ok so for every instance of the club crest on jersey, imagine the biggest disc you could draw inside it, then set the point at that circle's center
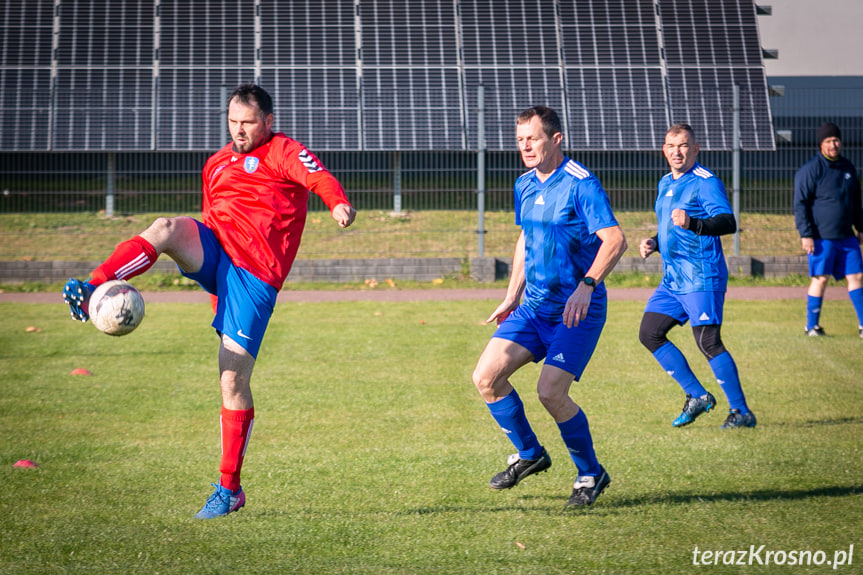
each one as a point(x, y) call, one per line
point(251, 164)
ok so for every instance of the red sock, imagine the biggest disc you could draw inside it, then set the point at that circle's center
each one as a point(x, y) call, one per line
point(236, 430)
point(130, 258)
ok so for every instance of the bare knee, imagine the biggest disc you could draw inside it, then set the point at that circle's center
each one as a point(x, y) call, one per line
point(557, 402)
point(498, 362)
point(162, 231)
point(548, 398)
point(817, 285)
point(235, 365)
point(484, 382)
point(178, 238)
point(491, 383)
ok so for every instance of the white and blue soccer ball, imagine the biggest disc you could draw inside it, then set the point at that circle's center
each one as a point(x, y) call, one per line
point(116, 307)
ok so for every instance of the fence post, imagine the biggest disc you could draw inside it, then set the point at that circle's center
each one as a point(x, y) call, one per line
point(735, 166)
point(480, 170)
point(110, 177)
point(223, 115)
point(397, 182)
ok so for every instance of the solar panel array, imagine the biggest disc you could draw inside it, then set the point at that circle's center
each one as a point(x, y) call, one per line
point(378, 74)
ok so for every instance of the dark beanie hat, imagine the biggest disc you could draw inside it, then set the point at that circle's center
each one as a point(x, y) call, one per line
point(828, 130)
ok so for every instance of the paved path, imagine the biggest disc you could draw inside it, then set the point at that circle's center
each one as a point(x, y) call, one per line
point(397, 295)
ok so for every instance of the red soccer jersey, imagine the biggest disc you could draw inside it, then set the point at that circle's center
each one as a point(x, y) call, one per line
point(256, 203)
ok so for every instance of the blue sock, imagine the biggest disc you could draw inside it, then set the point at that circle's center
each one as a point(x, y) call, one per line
point(813, 311)
point(725, 370)
point(576, 436)
point(857, 299)
point(675, 365)
point(509, 414)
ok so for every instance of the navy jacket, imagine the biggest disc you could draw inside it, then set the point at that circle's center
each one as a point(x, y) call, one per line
point(827, 199)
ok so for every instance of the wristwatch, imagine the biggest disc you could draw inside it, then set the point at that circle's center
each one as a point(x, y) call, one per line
point(589, 281)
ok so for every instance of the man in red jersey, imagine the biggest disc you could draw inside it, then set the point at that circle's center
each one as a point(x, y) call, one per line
point(256, 192)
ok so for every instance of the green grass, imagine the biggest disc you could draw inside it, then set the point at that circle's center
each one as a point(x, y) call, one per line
point(371, 450)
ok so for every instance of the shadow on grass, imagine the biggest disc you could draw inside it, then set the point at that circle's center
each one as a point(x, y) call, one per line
point(736, 496)
point(610, 504)
point(819, 422)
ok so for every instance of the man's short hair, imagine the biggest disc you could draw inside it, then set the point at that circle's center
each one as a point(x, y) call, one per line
point(253, 95)
point(549, 118)
point(680, 128)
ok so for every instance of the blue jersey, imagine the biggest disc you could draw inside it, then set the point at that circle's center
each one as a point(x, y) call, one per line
point(691, 263)
point(560, 218)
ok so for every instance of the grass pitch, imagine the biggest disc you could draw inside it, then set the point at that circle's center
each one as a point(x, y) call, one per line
point(371, 451)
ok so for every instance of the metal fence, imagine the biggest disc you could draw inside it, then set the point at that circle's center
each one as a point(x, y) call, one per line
point(422, 203)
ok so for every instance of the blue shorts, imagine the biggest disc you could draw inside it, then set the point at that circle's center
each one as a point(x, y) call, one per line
point(245, 302)
point(567, 348)
point(836, 257)
point(699, 308)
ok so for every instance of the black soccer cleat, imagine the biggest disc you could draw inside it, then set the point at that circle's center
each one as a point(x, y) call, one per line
point(587, 488)
point(816, 331)
point(736, 419)
point(519, 469)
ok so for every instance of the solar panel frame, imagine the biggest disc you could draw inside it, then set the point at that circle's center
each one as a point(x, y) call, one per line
point(404, 33)
point(705, 59)
point(192, 106)
point(105, 33)
point(305, 33)
point(530, 38)
point(27, 33)
point(607, 113)
point(25, 108)
point(399, 118)
point(102, 109)
point(410, 81)
point(227, 39)
point(508, 91)
point(380, 74)
point(318, 107)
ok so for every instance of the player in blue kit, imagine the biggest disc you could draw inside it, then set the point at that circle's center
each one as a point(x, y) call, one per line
point(692, 211)
point(569, 243)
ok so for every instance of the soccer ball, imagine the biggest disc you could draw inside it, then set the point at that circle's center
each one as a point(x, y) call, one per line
point(116, 307)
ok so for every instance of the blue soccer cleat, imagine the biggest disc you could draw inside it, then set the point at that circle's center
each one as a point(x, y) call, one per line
point(694, 407)
point(221, 502)
point(77, 294)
